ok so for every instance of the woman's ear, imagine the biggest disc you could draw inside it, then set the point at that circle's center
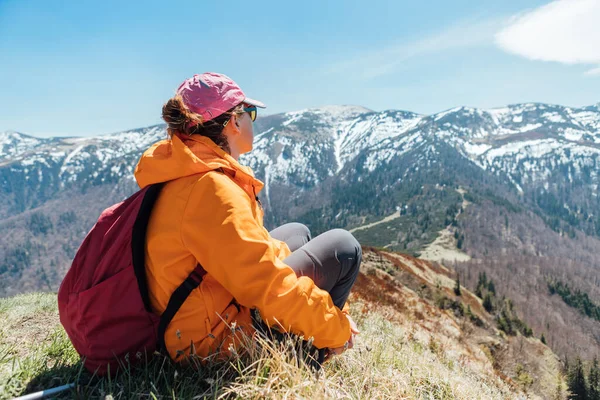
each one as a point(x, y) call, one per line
point(235, 121)
point(233, 127)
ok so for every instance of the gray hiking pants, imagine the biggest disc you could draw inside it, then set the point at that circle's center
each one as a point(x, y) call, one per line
point(331, 260)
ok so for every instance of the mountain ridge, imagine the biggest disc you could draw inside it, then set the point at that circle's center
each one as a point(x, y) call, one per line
point(329, 108)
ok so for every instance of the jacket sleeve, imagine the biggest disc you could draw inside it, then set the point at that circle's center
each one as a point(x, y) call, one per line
point(220, 230)
point(282, 251)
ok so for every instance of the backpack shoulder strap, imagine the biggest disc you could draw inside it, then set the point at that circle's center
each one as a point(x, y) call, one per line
point(176, 301)
point(138, 241)
point(138, 249)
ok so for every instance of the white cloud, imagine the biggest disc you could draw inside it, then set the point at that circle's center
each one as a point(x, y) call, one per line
point(565, 31)
point(594, 71)
point(465, 34)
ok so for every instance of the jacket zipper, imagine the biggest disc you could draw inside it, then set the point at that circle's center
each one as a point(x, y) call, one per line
point(256, 197)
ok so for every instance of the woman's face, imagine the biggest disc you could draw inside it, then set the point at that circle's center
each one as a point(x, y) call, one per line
point(240, 134)
point(247, 133)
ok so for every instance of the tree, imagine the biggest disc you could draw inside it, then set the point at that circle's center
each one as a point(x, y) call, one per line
point(482, 279)
point(39, 224)
point(457, 286)
point(594, 381)
point(482, 283)
point(577, 385)
point(487, 303)
point(491, 287)
point(543, 339)
point(478, 292)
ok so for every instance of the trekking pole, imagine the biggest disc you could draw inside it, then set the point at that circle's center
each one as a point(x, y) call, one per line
point(47, 392)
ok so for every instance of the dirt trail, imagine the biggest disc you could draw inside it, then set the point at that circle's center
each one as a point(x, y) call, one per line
point(386, 219)
point(444, 248)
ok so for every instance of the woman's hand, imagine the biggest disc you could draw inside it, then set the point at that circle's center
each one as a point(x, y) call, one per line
point(349, 344)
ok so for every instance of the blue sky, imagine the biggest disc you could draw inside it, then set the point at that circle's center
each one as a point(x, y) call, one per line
point(91, 67)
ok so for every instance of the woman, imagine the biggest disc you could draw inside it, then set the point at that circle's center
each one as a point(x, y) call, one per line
point(208, 212)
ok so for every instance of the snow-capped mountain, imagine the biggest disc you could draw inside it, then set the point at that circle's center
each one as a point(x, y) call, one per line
point(305, 147)
point(72, 156)
point(331, 166)
point(524, 143)
point(14, 144)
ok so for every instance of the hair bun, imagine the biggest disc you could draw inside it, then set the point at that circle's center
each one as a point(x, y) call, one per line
point(178, 117)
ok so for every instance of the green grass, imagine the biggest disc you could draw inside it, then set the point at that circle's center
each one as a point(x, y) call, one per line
point(383, 364)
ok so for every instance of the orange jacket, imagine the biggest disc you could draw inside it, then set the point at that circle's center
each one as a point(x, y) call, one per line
point(213, 218)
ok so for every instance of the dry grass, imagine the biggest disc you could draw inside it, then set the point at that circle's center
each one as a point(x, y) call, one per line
point(387, 363)
point(418, 296)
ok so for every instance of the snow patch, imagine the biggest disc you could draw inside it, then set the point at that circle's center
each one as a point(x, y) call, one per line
point(476, 149)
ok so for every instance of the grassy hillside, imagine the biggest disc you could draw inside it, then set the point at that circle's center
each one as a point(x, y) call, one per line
point(412, 345)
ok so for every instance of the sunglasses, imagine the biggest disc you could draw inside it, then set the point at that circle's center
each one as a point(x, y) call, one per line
point(252, 111)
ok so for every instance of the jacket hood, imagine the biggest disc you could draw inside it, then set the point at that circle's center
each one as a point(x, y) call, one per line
point(171, 159)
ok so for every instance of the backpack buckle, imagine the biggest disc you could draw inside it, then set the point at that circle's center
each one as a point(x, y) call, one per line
point(195, 277)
